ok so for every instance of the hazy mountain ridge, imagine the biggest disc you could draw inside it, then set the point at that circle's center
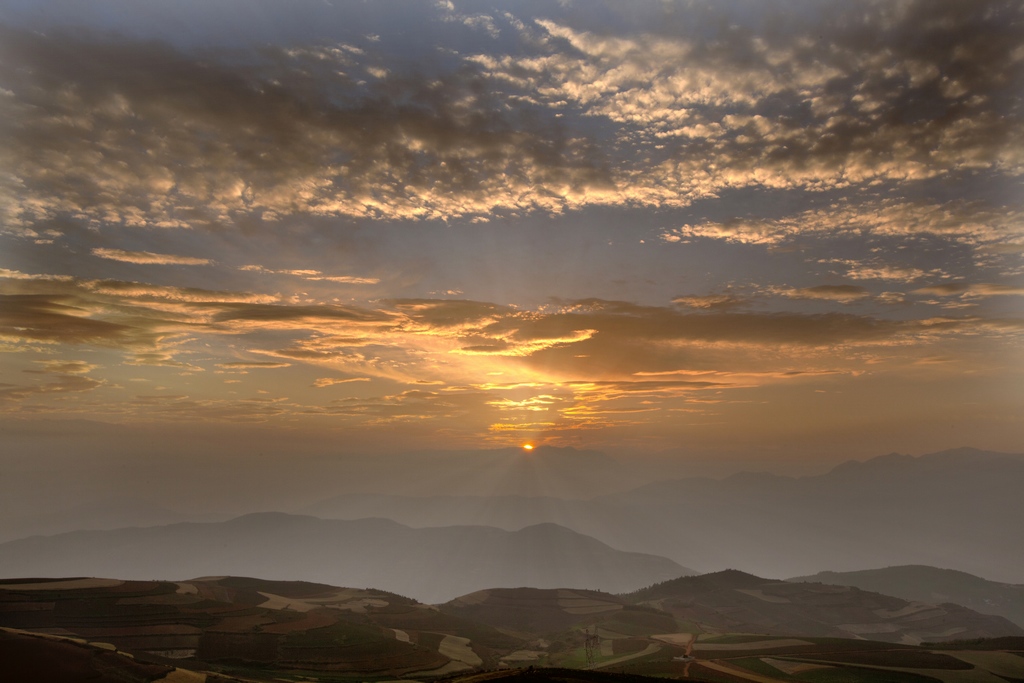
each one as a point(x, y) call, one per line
point(931, 584)
point(952, 509)
point(430, 564)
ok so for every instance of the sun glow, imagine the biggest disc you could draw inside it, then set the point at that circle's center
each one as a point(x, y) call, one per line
point(527, 446)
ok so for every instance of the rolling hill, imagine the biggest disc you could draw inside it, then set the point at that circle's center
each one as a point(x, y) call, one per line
point(930, 584)
point(433, 564)
point(734, 601)
point(221, 628)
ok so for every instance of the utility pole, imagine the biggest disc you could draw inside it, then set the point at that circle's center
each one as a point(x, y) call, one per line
point(591, 645)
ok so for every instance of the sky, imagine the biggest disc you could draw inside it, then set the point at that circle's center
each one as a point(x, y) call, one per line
point(782, 233)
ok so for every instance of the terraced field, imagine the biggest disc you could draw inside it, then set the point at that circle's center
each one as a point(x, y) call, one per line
point(279, 630)
point(245, 626)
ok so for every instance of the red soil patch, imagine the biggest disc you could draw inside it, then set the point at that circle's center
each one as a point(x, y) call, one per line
point(241, 624)
point(29, 659)
point(309, 621)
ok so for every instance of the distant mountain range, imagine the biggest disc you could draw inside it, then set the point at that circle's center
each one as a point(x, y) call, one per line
point(960, 508)
point(432, 565)
point(929, 584)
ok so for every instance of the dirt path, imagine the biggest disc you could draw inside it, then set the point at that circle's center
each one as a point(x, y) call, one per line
point(689, 653)
point(649, 650)
point(736, 671)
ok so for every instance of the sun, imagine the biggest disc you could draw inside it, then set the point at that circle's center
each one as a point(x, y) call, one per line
point(527, 446)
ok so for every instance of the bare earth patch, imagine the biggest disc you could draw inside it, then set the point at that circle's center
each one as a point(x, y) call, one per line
point(457, 648)
point(999, 663)
point(933, 636)
point(449, 668)
point(861, 629)
point(310, 621)
point(183, 676)
point(173, 654)
point(62, 585)
point(791, 668)
point(523, 656)
point(649, 650)
point(596, 609)
point(754, 645)
point(574, 603)
point(737, 671)
point(164, 599)
point(912, 608)
point(760, 595)
point(283, 603)
point(474, 598)
point(349, 599)
point(680, 639)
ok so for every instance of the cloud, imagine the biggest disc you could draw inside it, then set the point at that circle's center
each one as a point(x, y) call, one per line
point(248, 365)
point(814, 106)
point(321, 382)
point(110, 133)
point(413, 405)
point(660, 114)
point(148, 257)
point(65, 320)
point(840, 293)
point(148, 292)
point(70, 380)
point(68, 367)
point(884, 272)
point(711, 302)
point(981, 289)
point(963, 222)
point(315, 275)
point(68, 384)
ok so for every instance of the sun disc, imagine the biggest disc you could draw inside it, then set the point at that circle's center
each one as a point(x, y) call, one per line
point(527, 446)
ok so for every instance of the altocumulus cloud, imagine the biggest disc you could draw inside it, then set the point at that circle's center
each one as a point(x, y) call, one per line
point(657, 115)
point(148, 257)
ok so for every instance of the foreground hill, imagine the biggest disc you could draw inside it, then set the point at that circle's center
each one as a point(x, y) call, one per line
point(236, 623)
point(739, 602)
point(547, 612)
point(228, 628)
point(28, 657)
point(433, 565)
point(930, 584)
point(957, 509)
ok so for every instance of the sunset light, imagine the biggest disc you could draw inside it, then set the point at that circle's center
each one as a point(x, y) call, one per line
point(293, 291)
